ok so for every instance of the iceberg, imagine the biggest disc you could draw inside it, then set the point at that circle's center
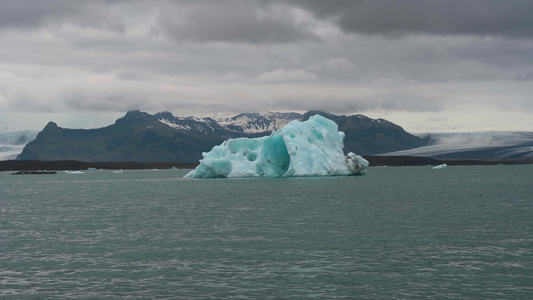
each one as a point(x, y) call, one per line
point(440, 167)
point(310, 148)
point(74, 172)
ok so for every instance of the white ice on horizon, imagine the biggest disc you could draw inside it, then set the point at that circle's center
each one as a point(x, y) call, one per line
point(74, 172)
point(440, 167)
point(13, 142)
point(310, 148)
point(444, 143)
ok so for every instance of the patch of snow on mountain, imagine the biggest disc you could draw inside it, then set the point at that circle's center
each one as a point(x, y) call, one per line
point(202, 125)
point(237, 123)
point(257, 122)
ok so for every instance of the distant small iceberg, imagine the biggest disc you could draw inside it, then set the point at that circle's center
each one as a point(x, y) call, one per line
point(118, 171)
point(74, 172)
point(440, 167)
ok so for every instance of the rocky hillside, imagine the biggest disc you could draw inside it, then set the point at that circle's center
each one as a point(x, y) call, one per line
point(142, 137)
point(366, 136)
point(137, 137)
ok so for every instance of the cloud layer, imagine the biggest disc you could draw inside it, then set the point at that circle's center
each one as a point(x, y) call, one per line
point(428, 65)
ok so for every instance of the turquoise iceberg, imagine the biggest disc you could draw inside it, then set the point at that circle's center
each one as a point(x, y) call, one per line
point(310, 148)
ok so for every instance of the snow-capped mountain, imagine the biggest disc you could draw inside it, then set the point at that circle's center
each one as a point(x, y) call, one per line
point(257, 122)
point(230, 125)
point(140, 136)
point(473, 145)
point(12, 143)
point(201, 125)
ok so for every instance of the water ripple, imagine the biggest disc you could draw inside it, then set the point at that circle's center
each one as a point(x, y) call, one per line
point(396, 233)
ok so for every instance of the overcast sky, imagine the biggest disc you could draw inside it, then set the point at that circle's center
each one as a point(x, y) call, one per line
point(429, 66)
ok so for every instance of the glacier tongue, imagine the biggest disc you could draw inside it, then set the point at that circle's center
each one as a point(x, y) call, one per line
point(310, 148)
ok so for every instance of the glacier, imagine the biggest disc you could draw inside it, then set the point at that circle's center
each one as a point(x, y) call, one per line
point(12, 143)
point(310, 148)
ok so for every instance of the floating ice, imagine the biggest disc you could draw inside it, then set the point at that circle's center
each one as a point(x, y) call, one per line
point(74, 172)
point(439, 167)
point(311, 148)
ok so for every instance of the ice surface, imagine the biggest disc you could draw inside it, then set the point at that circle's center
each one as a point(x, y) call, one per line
point(12, 143)
point(311, 148)
point(440, 167)
point(445, 143)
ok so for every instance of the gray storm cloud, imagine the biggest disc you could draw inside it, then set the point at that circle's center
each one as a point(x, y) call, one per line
point(454, 17)
point(241, 22)
point(197, 57)
point(276, 20)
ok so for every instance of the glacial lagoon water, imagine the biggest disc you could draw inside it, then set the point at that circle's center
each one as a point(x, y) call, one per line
point(463, 232)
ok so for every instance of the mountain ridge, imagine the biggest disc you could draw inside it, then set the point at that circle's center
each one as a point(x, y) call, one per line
point(230, 127)
point(371, 136)
point(140, 136)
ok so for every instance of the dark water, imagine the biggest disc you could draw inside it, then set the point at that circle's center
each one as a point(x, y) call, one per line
point(396, 233)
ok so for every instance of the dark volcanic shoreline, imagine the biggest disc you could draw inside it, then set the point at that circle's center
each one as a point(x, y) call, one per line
point(375, 161)
point(398, 161)
point(62, 165)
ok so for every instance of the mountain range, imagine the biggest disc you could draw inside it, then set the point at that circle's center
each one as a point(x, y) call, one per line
point(163, 137)
point(142, 137)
